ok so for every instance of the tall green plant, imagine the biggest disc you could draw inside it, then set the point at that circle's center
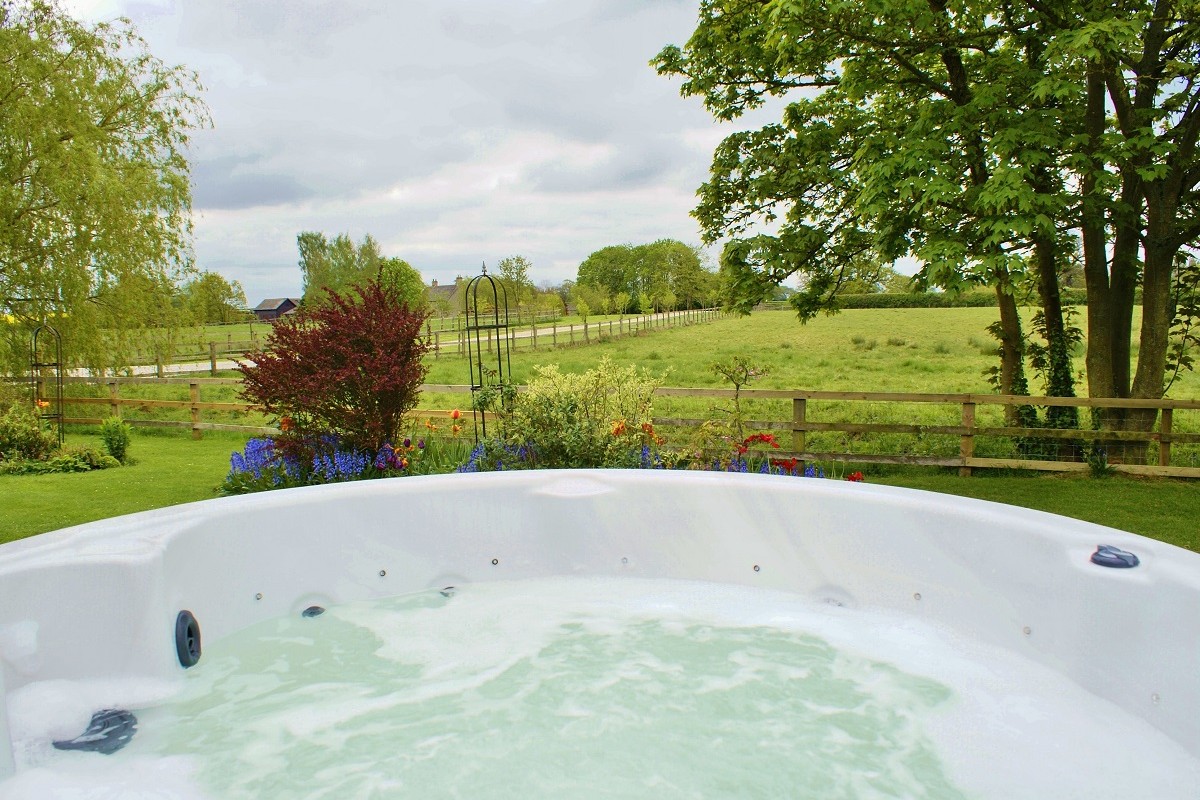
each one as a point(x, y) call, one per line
point(115, 434)
point(599, 418)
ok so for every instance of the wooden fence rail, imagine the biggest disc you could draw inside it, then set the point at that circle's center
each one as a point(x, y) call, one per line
point(799, 425)
point(529, 336)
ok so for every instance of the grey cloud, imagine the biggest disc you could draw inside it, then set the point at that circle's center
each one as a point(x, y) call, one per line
point(631, 166)
point(230, 183)
point(320, 106)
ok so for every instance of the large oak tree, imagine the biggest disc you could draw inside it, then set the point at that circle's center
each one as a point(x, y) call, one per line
point(982, 137)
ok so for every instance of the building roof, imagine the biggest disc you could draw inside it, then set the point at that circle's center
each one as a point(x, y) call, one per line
point(273, 303)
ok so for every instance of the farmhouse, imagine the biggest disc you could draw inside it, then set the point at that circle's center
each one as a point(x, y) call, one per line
point(276, 307)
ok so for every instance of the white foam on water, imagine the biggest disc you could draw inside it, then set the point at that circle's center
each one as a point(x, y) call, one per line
point(622, 687)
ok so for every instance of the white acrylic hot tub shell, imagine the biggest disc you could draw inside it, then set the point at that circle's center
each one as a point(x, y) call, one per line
point(100, 600)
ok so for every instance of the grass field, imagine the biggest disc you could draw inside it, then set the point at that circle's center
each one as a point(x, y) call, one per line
point(909, 350)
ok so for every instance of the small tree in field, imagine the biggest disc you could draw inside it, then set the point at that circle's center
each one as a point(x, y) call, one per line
point(351, 367)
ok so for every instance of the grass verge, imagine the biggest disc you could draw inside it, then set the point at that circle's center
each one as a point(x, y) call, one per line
point(168, 469)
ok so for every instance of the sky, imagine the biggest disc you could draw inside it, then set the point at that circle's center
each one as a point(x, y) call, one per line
point(455, 132)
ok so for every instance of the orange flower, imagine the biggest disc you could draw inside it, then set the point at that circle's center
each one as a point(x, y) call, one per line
point(404, 463)
point(647, 429)
point(286, 424)
point(455, 414)
point(456, 429)
point(429, 424)
point(618, 427)
point(43, 403)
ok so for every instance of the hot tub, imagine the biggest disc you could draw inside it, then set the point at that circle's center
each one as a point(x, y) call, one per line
point(102, 616)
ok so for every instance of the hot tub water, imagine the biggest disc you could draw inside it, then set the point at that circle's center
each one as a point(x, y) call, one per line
point(619, 687)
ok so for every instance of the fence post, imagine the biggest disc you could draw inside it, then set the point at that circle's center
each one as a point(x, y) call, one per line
point(437, 343)
point(554, 333)
point(799, 410)
point(158, 365)
point(212, 359)
point(533, 332)
point(1164, 438)
point(114, 399)
point(966, 443)
point(194, 395)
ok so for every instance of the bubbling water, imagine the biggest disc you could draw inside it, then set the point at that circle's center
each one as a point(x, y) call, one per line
point(627, 688)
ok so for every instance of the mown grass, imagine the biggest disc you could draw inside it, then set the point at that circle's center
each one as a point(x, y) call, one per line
point(169, 468)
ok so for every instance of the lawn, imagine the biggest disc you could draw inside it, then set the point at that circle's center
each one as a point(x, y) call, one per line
point(170, 468)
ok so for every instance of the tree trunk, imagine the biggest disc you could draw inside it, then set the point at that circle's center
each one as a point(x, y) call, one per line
point(1012, 353)
point(1060, 377)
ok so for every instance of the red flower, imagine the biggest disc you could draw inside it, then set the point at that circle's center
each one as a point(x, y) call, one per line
point(788, 464)
point(455, 414)
point(765, 438)
point(857, 477)
point(285, 424)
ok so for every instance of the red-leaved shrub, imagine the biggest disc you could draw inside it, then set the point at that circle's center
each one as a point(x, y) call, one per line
point(352, 367)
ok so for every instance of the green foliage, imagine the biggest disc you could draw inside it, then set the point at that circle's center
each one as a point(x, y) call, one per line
point(402, 279)
point(975, 298)
point(1185, 323)
point(598, 418)
point(75, 459)
point(513, 271)
point(210, 299)
point(95, 201)
point(662, 275)
point(739, 372)
point(22, 434)
point(1097, 461)
point(338, 265)
point(116, 434)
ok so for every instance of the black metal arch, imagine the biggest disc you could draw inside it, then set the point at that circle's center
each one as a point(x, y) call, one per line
point(481, 329)
point(49, 404)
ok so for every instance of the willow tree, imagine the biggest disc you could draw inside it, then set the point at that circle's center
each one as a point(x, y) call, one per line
point(94, 185)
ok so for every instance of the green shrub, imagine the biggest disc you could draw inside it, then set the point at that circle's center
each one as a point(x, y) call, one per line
point(115, 435)
point(598, 418)
point(78, 459)
point(22, 435)
point(975, 298)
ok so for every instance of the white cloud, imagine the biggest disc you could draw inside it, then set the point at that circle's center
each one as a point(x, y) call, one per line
point(454, 132)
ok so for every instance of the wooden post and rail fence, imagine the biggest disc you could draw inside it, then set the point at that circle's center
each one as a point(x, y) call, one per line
point(801, 423)
point(550, 332)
